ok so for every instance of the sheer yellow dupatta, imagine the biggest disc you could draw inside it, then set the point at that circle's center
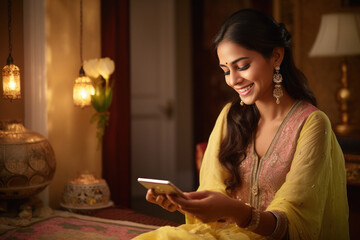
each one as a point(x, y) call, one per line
point(212, 173)
point(313, 196)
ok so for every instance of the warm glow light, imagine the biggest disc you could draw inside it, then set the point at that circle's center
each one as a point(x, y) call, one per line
point(82, 91)
point(11, 82)
point(83, 94)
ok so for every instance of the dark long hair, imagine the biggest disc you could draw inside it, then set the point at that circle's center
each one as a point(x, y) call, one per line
point(256, 31)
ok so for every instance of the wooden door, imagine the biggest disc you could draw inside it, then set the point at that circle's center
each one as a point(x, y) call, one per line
point(152, 52)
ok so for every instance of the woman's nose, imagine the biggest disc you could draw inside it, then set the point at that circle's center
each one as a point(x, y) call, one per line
point(235, 78)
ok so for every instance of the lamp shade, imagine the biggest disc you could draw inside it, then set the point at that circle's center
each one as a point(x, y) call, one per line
point(339, 35)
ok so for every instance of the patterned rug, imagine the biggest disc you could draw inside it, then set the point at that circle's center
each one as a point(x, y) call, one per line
point(60, 227)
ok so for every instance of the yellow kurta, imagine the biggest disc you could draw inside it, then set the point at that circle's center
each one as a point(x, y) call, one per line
point(313, 196)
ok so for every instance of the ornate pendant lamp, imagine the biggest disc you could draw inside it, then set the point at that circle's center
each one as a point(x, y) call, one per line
point(83, 88)
point(10, 72)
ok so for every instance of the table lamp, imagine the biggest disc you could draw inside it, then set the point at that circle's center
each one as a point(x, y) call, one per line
point(339, 36)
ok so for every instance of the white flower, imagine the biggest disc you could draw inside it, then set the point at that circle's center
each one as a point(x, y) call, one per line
point(106, 67)
point(99, 66)
point(91, 68)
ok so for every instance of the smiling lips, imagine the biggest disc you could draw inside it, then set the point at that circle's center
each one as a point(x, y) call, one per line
point(246, 90)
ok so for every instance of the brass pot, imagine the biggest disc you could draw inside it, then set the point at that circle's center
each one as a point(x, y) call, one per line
point(27, 161)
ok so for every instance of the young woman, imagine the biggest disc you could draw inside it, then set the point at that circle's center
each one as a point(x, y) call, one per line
point(273, 167)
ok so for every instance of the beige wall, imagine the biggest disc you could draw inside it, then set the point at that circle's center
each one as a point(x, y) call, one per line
point(70, 133)
point(12, 110)
point(324, 73)
point(69, 130)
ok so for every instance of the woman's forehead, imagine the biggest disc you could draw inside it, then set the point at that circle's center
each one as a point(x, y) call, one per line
point(228, 52)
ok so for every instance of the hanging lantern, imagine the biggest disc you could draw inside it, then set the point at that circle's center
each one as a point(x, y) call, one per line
point(10, 73)
point(83, 90)
point(11, 80)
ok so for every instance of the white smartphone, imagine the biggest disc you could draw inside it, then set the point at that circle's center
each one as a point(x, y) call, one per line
point(161, 186)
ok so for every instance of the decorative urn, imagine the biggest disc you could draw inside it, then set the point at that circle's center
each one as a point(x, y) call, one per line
point(27, 161)
point(86, 192)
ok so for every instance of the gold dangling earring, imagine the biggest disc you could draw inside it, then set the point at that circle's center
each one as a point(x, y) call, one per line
point(277, 79)
point(241, 102)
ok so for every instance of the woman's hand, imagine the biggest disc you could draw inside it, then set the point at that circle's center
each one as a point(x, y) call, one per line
point(161, 200)
point(211, 206)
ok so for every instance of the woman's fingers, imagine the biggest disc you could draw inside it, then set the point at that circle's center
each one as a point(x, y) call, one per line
point(169, 206)
point(165, 203)
point(161, 200)
point(150, 196)
point(195, 200)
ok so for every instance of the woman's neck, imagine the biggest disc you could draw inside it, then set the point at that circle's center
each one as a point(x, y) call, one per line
point(271, 111)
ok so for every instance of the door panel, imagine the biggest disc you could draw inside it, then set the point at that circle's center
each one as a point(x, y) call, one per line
point(152, 90)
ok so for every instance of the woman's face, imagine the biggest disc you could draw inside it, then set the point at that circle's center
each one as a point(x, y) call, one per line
point(247, 72)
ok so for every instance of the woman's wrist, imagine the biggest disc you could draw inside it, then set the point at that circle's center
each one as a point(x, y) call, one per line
point(254, 220)
point(248, 220)
point(251, 219)
point(242, 214)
